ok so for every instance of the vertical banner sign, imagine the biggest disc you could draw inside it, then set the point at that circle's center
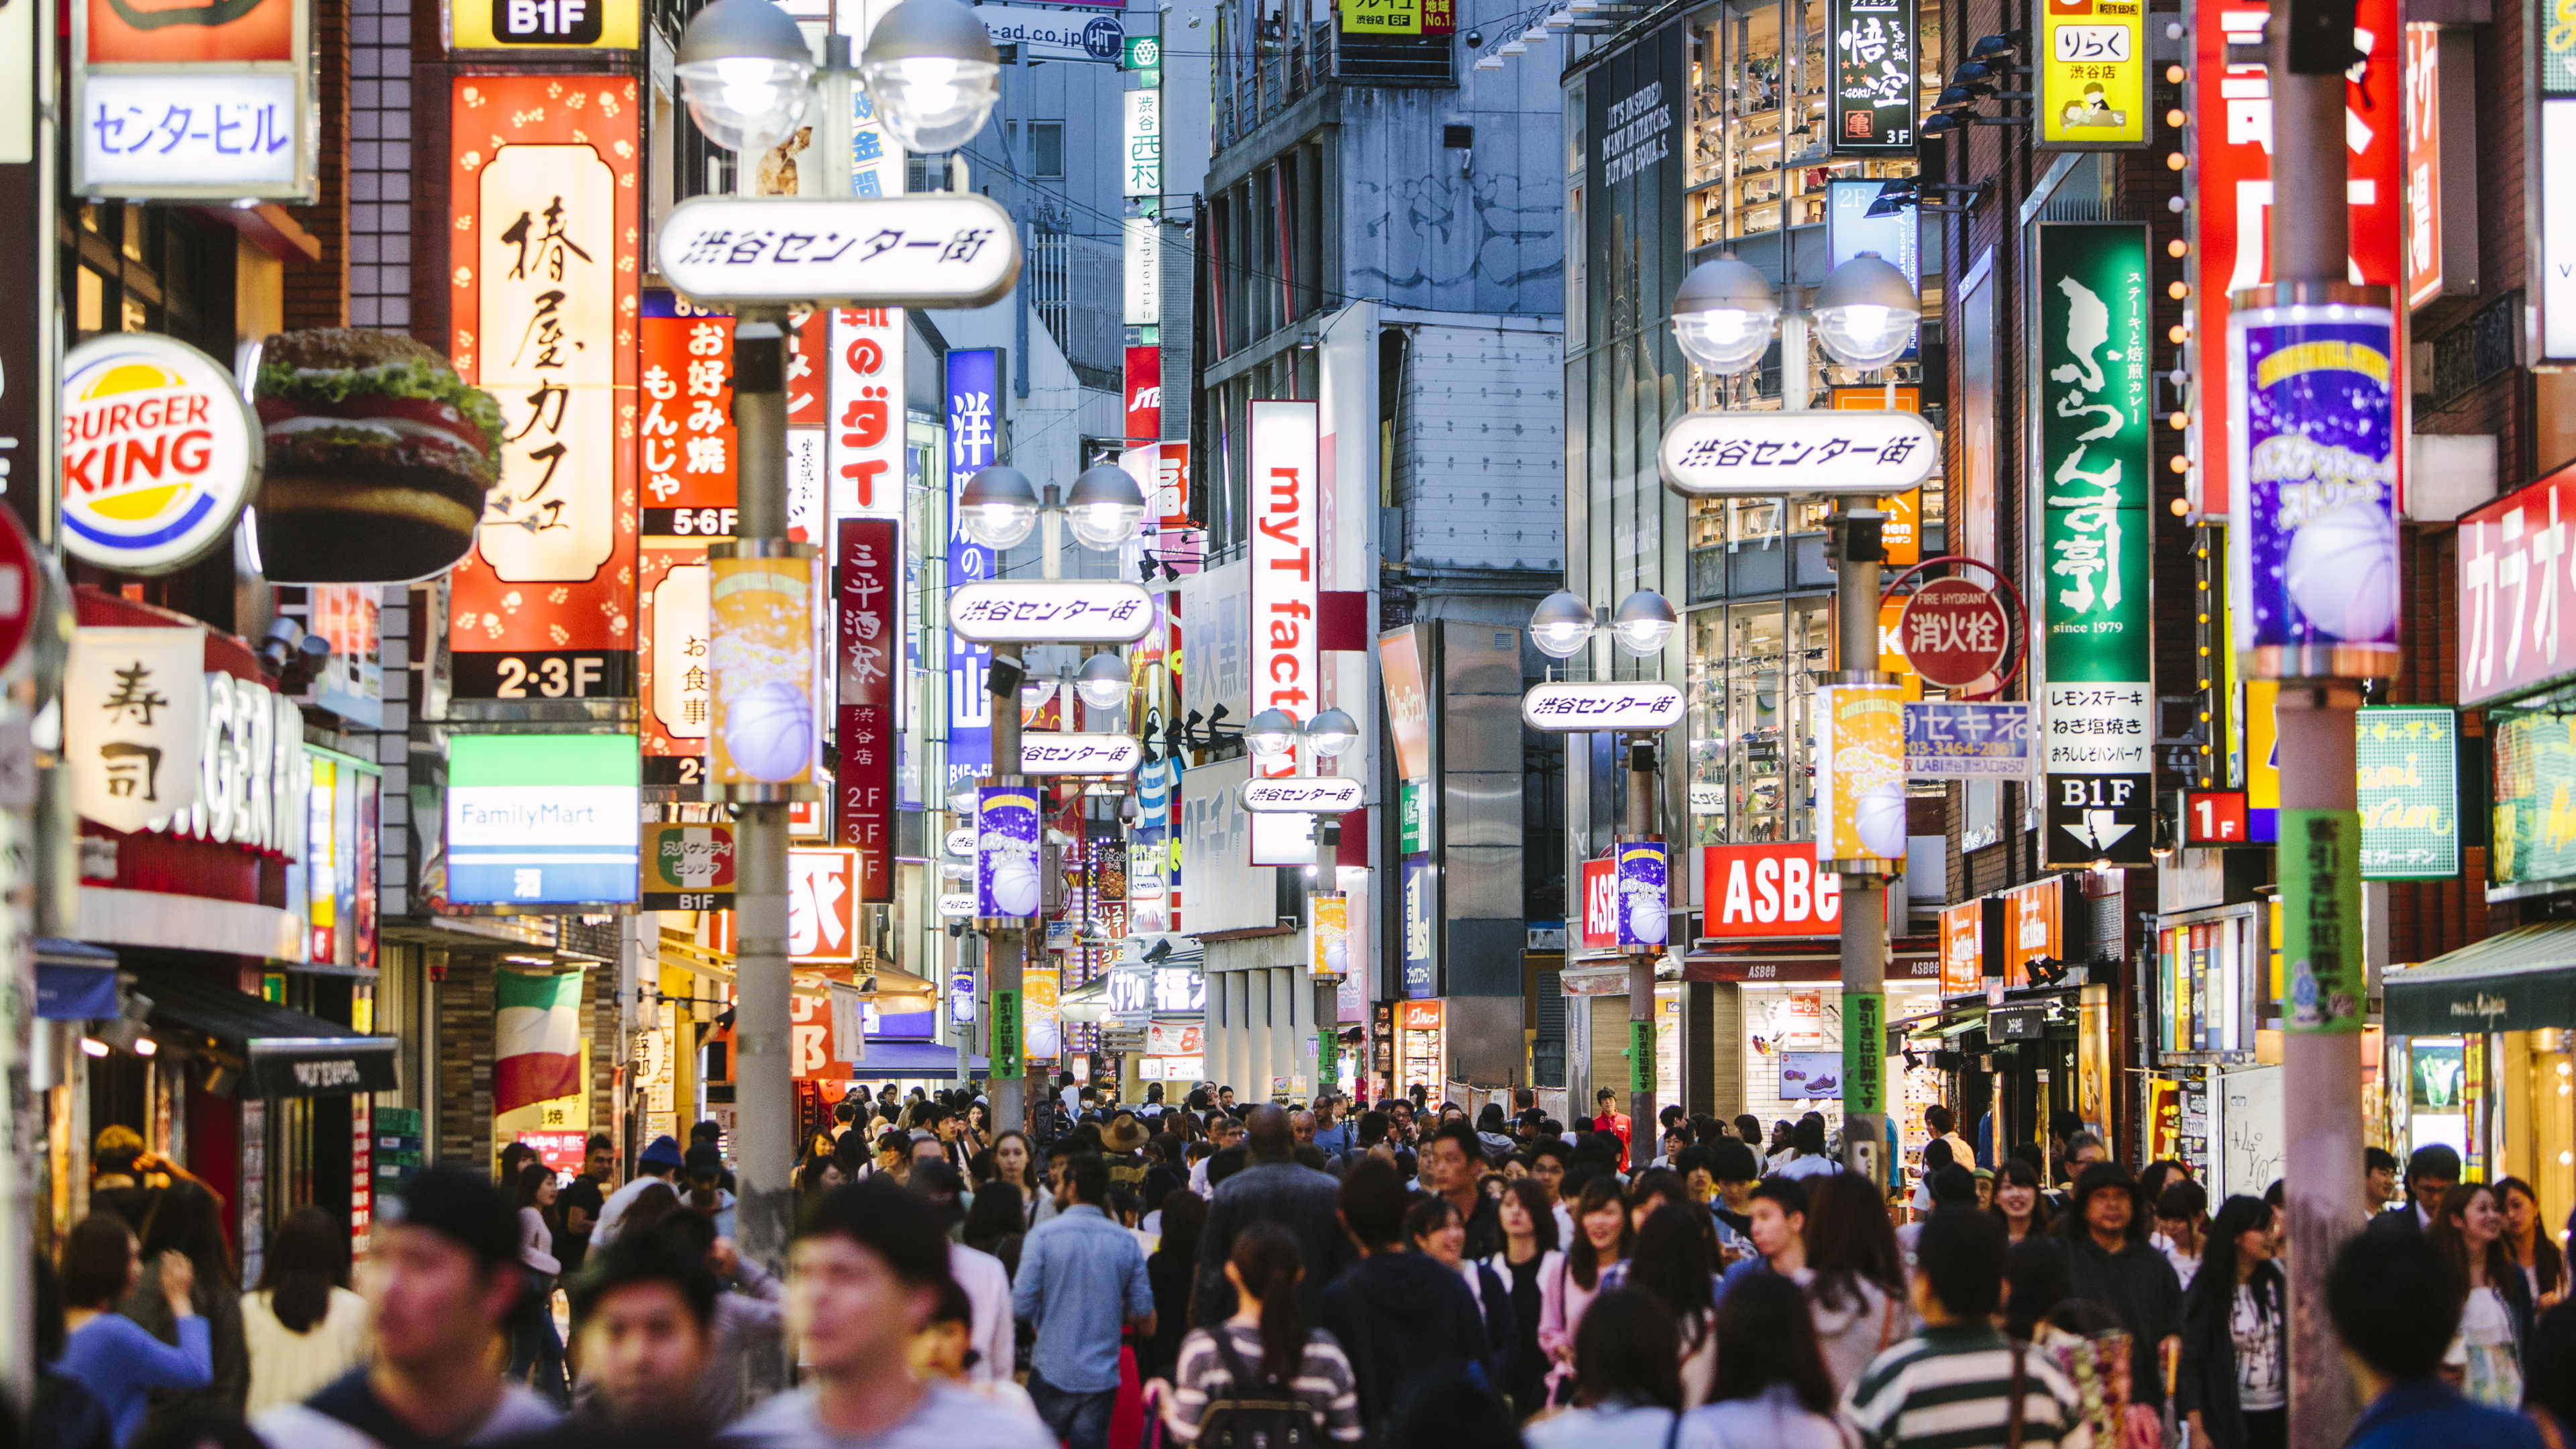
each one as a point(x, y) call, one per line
point(1641, 1056)
point(1329, 933)
point(1141, 143)
point(974, 437)
point(2555, 208)
point(2094, 532)
point(2406, 765)
point(1408, 702)
point(1864, 1051)
point(869, 567)
point(1007, 819)
point(685, 454)
point(1284, 583)
point(1145, 398)
point(2093, 75)
point(544, 256)
point(1143, 257)
point(766, 731)
point(1875, 87)
point(1421, 975)
point(2428, 205)
point(2320, 913)
point(2231, 188)
point(1600, 905)
point(1645, 895)
point(1004, 1042)
point(863, 443)
point(1860, 777)
point(1042, 1014)
point(2312, 567)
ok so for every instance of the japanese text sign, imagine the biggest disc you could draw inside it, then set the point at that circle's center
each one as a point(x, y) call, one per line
point(1875, 87)
point(1141, 143)
point(1765, 455)
point(134, 719)
point(2406, 759)
point(1303, 795)
point(193, 101)
point(942, 249)
point(1601, 905)
point(1050, 611)
point(2518, 591)
point(864, 436)
point(1046, 753)
point(1645, 894)
point(1947, 739)
point(688, 867)
point(975, 431)
point(866, 648)
point(2321, 946)
point(1956, 632)
point(542, 26)
point(686, 434)
point(2093, 75)
point(1860, 777)
point(822, 906)
point(1421, 978)
point(1628, 706)
point(1769, 890)
point(1963, 949)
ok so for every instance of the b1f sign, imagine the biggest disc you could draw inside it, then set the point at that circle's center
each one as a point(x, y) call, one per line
point(1769, 890)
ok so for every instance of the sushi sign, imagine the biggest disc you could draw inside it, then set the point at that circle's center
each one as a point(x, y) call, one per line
point(159, 453)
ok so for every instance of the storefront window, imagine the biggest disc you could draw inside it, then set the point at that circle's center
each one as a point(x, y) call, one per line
point(1752, 675)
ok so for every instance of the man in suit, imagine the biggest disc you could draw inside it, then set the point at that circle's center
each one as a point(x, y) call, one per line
point(2430, 1172)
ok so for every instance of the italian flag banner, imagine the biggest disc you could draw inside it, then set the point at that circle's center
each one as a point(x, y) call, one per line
point(536, 1048)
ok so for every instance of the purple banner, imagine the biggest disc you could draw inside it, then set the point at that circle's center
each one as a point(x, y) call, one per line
point(1006, 852)
point(2314, 562)
point(1645, 894)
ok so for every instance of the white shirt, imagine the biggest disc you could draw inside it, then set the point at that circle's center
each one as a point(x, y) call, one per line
point(988, 1296)
point(286, 1368)
point(537, 1242)
point(1803, 1166)
point(613, 1211)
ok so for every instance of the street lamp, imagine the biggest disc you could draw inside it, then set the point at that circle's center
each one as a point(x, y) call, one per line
point(998, 507)
point(1561, 625)
point(745, 71)
point(1644, 622)
point(1866, 312)
point(932, 71)
point(1331, 734)
point(1106, 505)
point(1723, 314)
point(1103, 682)
point(1272, 733)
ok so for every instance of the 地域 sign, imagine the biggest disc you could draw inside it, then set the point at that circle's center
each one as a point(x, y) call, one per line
point(159, 453)
point(1767, 455)
point(956, 250)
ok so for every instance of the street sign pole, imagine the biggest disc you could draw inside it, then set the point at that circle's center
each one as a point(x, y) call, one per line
point(1858, 550)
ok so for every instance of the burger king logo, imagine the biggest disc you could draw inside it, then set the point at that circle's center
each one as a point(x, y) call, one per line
point(159, 453)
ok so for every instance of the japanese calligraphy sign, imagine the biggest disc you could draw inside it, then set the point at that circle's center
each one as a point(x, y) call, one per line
point(676, 619)
point(761, 654)
point(542, 25)
point(2517, 596)
point(1769, 890)
point(2231, 191)
point(1303, 795)
point(1634, 706)
point(2093, 76)
point(868, 559)
point(134, 717)
point(864, 439)
point(2094, 530)
point(1007, 823)
point(1066, 753)
point(1140, 146)
point(940, 249)
point(2312, 565)
point(191, 101)
point(2407, 764)
point(1956, 632)
point(1054, 611)
point(1860, 778)
point(1875, 88)
point(2321, 947)
point(688, 867)
point(822, 906)
point(1765, 455)
point(686, 434)
point(1949, 739)
point(159, 453)
point(544, 305)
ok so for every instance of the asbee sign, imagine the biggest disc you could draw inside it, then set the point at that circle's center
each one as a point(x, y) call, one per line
point(159, 453)
point(1769, 890)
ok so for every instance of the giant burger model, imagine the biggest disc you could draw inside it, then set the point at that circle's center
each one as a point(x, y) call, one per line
point(378, 458)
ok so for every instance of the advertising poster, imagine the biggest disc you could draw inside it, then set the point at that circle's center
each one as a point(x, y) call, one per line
point(2093, 75)
point(1042, 1012)
point(868, 570)
point(765, 727)
point(543, 820)
point(688, 867)
point(545, 258)
point(1329, 933)
point(2313, 572)
point(1408, 703)
point(1007, 824)
point(1421, 977)
point(1645, 895)
point(2320, 894)
point(974, 437)
point(189, 100)
point(1944, 739)
point(1860, 775)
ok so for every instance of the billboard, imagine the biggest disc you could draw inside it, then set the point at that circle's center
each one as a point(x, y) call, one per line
point(542, 821)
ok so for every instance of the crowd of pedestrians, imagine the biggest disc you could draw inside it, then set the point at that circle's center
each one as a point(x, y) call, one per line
point(1207, 1271)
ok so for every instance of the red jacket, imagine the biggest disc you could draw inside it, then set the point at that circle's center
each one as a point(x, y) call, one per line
point(1616, 1124)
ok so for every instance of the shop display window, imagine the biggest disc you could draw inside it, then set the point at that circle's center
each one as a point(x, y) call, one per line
point(1752, 678)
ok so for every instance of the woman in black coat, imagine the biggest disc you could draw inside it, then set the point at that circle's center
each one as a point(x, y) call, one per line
point(2234, 1382)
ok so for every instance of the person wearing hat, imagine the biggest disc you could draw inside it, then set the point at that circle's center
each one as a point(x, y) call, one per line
point(1122, 1146)
point(442, 1275)
point(660, 1163)
point(2110, 1262)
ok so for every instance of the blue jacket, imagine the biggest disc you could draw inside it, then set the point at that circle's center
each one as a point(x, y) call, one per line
point(2429, 1414)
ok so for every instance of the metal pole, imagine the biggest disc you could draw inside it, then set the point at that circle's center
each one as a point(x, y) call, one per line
point(1643, 1132)
point(1855, 540)
point(764, 1118)
point(2322, 1110)
point(1006, 949)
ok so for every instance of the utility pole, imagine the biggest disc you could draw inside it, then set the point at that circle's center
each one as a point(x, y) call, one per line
point(1856, 540)
point(1643, 1130)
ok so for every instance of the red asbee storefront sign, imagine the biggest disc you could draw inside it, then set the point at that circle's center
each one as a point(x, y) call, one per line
point(1768, 890)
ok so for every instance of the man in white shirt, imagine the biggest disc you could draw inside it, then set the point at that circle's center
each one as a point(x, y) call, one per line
point(660, 1163)
point(1812, 1160)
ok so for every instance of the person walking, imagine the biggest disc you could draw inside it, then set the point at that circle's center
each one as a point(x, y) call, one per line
point(1529, 1258)
point(2233, 1386)
point(1453, 1159)
point(2019, 1202)
point(1627, 1379)
point(2109, 1262)
point(1855, 1278)
point(2431, 1172)
point(1672, 1261)
point(2395, 1303)
point(536, 1348)
point(1433, 1228)
point(644, 1315)
point(1601, 1239)
point(659, 1164)
point(1261, 1366)
point(111, 1355)
point(1773, 1390)
point(749, 1314)
point(1402, 1318)
point(1016, 1167)
point(2544, 1267)
point(1173, 1270)
point(581, 1200)
point(301, 1325)
point(183, 1216)
point(1777, 1224)
point(1812, 1159)
point(1274, 1188)
point(1081, 1279)
point(1959, 1380)
point(2496, 1317)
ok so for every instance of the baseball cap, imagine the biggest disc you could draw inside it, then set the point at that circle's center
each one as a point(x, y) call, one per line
point(461, 1207)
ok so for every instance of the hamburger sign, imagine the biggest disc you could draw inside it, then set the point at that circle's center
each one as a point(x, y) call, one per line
point(159, 453)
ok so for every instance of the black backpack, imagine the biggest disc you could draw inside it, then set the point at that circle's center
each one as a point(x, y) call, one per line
point(1257, 1412)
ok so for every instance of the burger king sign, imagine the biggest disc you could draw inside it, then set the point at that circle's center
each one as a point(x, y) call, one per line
point(159, 453)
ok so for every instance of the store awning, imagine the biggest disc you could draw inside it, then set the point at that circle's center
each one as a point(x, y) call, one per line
point(897, 989)
point(288, 1054)
point(912, 1059)
point(2518, 981)
point(1805, 961)
point(75, 981)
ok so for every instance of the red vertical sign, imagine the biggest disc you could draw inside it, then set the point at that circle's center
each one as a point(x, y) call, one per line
point(863, 784)
point(809, 338)
point(1144, 394)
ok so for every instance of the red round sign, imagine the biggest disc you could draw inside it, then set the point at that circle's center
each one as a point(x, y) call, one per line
point(21, 587)
point(1955, 632)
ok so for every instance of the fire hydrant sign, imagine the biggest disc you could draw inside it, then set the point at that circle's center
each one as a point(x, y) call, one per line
point(941, 249)
point(1955, 632)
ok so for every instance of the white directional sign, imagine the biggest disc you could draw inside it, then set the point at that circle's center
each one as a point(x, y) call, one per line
point(1072, 754)
point(1766, 455)
point(946, 249)
point(1050, 611)
point(1640, 704)
point(957, 905)
point(959, 842)
point(1302, 795)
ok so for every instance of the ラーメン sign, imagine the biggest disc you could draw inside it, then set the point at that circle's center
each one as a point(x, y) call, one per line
point(1860, 777)
point(1766, 455)
point(159, 453)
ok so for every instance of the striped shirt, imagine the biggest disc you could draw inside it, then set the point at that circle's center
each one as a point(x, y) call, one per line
point(1950, 1387)
point(1324, 1382)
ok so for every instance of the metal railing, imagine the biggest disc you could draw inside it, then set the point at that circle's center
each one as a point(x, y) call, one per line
point(1270, 58)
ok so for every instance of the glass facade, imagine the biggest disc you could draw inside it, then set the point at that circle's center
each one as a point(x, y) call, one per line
point(1752, 677)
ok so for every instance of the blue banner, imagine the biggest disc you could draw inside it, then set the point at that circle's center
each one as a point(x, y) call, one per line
point(1421, 981)
point(1645, 894)
point(974, 442)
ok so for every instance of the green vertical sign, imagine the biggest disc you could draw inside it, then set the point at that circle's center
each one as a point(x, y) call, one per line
point(1416, 838)
point(2407, 765)
point(2090, 315)
point(1864, 1052)
point(1641, 1058)
point(1007, 1062)
point(1328, 1061)
point(2320, 865)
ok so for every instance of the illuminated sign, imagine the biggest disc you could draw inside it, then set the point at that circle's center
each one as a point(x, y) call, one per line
point(1302, 795)
point(1769, 890)
point(688, 867)
point(766, 729)
point(1142, 255)
point(864, 439)
point(2093, 75)
point(822, 906)
point(1141, 143)
point(1047, 753)
point(942, 249)
point(537, 820)
point(1051, 611)
point(1285, 580)
point(1860, 776)
point(2407, 764)
point(1875, 86)
point(206, 101)
point(542, 25)
point(869, 579)
point(1765, 455)
point(1629, 705)
point(159, 453)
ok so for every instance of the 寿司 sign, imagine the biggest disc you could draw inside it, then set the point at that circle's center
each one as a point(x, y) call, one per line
point(159, 453)
point(1745, 454)
point(1050, 611)
point(1769, 890)
point(1641, 704)
point(935, 249)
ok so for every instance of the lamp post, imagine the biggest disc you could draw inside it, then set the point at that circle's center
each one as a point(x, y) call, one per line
point(1332, 733)
point(1562, 625)
point(1864, 315)
point(746, 74)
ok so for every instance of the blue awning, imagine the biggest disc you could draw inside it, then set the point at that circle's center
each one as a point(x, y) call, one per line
point(75, 981)
point(912, 1059)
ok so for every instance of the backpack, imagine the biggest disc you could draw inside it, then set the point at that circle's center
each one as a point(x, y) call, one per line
point(1257, 1412)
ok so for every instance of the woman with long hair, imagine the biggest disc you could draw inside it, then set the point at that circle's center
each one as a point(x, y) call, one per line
point(1627, 1378)
point(1264, 1353)
point(1858, 1288)
point(536, 1346)
point(1672, 1262)
point(1601, 1237)
point(110, 1354)
point(1773, 1390)
point(2234, 1383)
point(2496, 1320)
point(1529, 1257)
point(304, 1327)
point(185, 1217)
point(2019, 1201)
point(1015, 1163)
point(1171, 1270)
point(1433, 1228)
point(2543, 1266)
